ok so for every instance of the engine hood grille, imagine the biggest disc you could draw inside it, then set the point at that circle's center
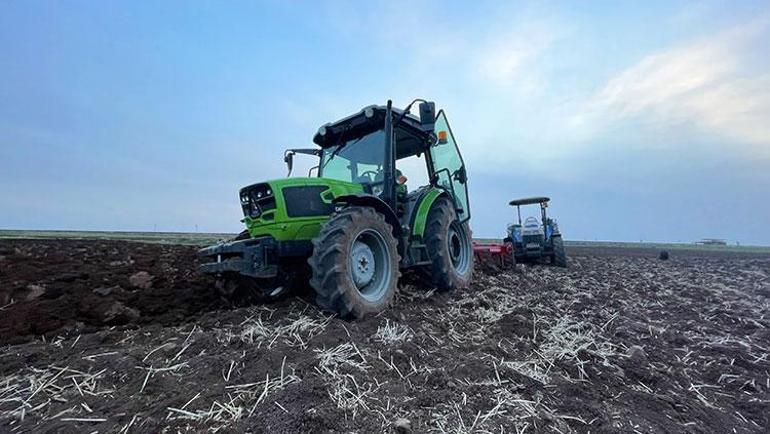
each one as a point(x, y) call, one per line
point(256, 199)
point(306, 201)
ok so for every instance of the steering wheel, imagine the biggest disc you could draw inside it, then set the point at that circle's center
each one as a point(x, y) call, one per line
point(371, 174)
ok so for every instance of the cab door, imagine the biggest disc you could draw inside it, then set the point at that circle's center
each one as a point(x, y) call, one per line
point(448, 167)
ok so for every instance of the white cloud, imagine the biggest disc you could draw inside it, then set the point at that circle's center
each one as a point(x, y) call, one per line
point(739, 109)
point(517, 85)
point(714, 84)
point(509, 55)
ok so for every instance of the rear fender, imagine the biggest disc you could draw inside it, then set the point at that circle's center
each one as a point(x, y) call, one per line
point(419, 216)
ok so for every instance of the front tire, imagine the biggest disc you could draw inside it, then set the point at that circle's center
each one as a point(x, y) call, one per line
point(355, 263)
point(450, 247)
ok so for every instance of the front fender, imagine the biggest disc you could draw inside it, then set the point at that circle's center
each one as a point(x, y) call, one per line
point(375, 202)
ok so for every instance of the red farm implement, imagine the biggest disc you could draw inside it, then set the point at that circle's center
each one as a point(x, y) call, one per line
point(494, 254)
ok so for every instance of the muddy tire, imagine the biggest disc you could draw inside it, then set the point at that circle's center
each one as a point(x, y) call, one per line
point(355, 263)
point(559, 256)
point(450, 248)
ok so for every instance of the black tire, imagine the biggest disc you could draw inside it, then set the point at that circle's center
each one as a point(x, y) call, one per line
point(559, 256)
point(342, 289)
point(446, 238)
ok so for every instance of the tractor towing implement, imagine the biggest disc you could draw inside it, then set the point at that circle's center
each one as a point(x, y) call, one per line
point(533, 240)
point(350, 229)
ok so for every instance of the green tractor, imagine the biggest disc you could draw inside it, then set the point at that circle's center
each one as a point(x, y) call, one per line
point(352, 228)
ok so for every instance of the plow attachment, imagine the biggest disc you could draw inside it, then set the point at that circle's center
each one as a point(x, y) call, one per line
point(494, 255)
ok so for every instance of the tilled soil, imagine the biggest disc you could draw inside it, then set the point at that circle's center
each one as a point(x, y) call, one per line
point(114, 336)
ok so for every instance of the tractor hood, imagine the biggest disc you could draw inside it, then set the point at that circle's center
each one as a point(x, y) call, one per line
point(273, 207)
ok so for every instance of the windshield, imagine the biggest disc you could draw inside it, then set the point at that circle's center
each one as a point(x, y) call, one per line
point(358, 160)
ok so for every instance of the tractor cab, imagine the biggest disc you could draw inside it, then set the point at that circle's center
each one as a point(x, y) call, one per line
point(536, 239)
point(353, 150)
point(356, 149)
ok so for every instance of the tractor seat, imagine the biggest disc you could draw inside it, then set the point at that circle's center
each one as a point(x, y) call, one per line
point(532, 226)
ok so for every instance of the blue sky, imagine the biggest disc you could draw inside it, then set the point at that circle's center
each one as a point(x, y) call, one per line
point(642, 120)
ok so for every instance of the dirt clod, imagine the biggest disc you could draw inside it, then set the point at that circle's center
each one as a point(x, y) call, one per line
point(105, 291)
point(637, 355)
point(119, 313)
point(402, 426)
point(141, 280)
point(35, 291)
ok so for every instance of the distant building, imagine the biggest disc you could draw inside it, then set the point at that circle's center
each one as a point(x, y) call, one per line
point(712, 242)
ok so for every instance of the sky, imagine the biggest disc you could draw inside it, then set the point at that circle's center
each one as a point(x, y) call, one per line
point(641, 120)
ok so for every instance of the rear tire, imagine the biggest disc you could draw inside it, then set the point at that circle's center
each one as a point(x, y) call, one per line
point(355, 263)
point(559, 256)
point(450, 248)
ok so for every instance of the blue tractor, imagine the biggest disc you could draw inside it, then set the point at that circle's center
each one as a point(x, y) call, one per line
point(535, 240)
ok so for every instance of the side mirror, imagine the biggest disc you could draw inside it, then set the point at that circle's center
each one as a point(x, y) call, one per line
point(288, 158)
point(427, 115)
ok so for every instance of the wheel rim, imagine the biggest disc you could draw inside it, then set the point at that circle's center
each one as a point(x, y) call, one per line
point(370, 265)
point(459, 248)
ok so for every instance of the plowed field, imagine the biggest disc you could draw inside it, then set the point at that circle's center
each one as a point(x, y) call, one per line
point(118, 336)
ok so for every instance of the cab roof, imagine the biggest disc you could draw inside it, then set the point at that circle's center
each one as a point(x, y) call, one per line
point(411, 139)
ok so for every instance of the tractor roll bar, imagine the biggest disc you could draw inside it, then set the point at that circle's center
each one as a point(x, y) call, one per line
point(529, 201)
point(542, 200)
point(388, 172)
